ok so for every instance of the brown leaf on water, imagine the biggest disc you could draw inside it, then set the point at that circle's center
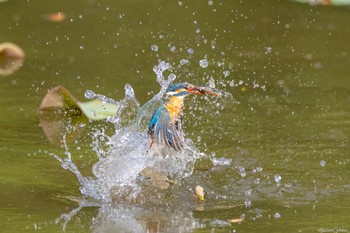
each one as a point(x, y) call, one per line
point(11, 58)
point(236, 220)
point(55, 17)
point(59, 97)
point(63, 118)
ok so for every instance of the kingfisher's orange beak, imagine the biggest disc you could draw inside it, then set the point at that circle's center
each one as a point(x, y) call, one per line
point(202, 90)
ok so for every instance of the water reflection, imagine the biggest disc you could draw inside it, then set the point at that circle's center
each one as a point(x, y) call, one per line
point(61, 126)
point(126, 218)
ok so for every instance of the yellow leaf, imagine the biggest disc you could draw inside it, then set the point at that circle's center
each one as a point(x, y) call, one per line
point(236, 220)
point(199, 192)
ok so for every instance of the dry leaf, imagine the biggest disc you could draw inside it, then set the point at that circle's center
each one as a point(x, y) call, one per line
point(11, 58)
point(199, 192)
point(55, 17)
point(236, 220)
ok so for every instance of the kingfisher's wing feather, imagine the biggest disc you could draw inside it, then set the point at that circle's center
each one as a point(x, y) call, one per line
point(163, 131)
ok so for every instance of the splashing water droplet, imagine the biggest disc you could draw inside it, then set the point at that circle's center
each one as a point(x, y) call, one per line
point(183, 61)
point(190, 51)
point(154, 48)
point(159, 69)
point(221, 161)
point(248, 192)
point(172, 49)
point(89, 94)
point(323, 163)
point(242, 171)
point(277, 215)
point(248, 203)
point(278, 178)
point(268, 50)
point(129, 91)
point(226, 73)
point(171, 77)
point(204, 63)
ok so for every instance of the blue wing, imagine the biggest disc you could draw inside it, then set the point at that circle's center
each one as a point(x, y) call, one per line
point(163, 131)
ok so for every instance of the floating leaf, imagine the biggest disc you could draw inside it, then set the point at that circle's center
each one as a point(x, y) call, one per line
point(60, 98)
point(11, 58)
point(55, 17)
point(63, 118)
point(199, 192)
point(236, 220)
point(97, 110)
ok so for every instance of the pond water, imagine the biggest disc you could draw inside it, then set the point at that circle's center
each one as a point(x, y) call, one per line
point(274, 150)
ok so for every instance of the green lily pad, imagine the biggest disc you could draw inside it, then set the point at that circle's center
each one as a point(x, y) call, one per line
point(59, 98)
point(98, 110)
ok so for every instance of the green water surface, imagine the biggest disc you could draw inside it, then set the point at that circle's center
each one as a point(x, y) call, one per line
point(289, 115)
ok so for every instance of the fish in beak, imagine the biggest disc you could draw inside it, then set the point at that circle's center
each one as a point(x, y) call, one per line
point(201, 90)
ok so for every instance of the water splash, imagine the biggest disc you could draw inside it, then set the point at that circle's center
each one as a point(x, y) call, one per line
point(125, 169)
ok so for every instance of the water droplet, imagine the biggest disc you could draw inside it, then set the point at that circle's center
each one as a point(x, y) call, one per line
point(129, 91)
point(232, 83)
point(278, 178)
point(190, 51)
point(89, 94)
point(277, 215)
point(172, 49)
point(323, 163)
point(268, 50)
point(154, 48)
point(82, 47)
point(226, 73)
point(248, 192)
point(183, 61)
point(180, 3)
point(248, 203)
point(203, 63)
point(171, 77)
point(257, 181)
point(221, 161)
point(210, 2)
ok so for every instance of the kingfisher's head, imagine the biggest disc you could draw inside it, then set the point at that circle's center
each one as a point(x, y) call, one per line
point(184, 89)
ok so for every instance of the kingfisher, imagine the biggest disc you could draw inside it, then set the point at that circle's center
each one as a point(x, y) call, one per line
point(165, 127)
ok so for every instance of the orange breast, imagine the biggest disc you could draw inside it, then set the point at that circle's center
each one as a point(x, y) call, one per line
point(174, 107)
